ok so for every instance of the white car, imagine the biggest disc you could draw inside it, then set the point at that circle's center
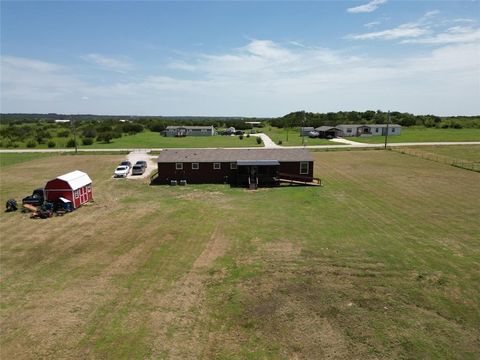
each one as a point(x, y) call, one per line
point(121, 171)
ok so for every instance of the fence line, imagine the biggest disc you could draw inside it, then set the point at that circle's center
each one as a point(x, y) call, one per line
point(462, 164)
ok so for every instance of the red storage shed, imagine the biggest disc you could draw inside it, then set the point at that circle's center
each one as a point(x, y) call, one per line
point(75, 186)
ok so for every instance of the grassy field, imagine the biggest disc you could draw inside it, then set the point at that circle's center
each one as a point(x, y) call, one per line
point(381, 262)
point(294, 138)
point(461, 152)
point(148, 139)
point(422, 134)
point(12, 159)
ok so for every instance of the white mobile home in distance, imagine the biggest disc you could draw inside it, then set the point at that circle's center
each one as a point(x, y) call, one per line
point(369, 129)
point(189, 131)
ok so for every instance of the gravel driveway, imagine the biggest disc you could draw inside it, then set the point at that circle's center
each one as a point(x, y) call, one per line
point(142, 154)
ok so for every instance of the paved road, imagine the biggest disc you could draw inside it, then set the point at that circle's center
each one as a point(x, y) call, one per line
point(344, 146)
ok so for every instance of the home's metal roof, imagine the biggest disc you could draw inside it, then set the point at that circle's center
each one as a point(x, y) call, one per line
point(369, 125)
point(189, 127)
point(233, 155)
point(384, 125)
point(257, 162)
point(325, 128)
point(76, 179)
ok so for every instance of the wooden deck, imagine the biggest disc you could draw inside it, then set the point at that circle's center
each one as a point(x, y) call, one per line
point(299, 180)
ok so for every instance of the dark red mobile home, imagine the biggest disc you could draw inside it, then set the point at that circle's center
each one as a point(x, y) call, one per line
point(75, 186)
point(239, 167)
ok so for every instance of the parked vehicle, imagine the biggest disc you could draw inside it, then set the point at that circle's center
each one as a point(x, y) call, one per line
point(36, 199)
point(313, 134)
point(121, 171)
point(138, 169)
point(126, 163)
point(11, 205)
point(141, 163)
point(239, 132)
point(253, 132)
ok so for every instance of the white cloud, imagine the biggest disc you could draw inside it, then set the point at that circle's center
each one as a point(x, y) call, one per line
point(108, 63)
point(402, 31)
point(453, 35)
point(366, 8)
point(33, 79)
point(372, 24)
point(420, 27)
point(262, 78)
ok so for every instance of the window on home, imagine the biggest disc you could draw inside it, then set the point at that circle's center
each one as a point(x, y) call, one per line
point(75, 193)
point(376, 130)
point(304, 168)
point(233, 166)
point(393, 129)
point(216, 166)
point(195, 166)
point(349, 130)
point(178, 166)
point(89, 187)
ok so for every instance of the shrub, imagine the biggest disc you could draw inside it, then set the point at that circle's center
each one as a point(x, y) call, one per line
point(456, 125)
point(87, 141)
point(105, 137)
point(71, 143)
point(259, 140)
point(89, 132)
point(241, 137)
point(51, 144)
point(248, 135)
point(12, 144)
point(132, 129)
point(64, 133)
point(31, 144)
point(280, 142)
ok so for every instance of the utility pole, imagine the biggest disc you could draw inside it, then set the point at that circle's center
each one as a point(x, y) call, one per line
point(303, 127)
point(386, 134)
point(74, 135)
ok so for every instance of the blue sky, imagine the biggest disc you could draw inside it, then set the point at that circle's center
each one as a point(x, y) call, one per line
point(240, 58)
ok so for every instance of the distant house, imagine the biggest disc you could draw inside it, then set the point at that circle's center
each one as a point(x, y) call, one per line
point(305, 131)
point(74, 187)
point(231, 130)
point(180, 131)
point(60, 121)
point(369, 129)
point(238, 167)
point(328, 132)
point(254, 123)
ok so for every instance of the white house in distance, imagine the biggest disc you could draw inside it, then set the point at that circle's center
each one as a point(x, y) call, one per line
point(62, 121)
point(180, 131)
point(369, 129)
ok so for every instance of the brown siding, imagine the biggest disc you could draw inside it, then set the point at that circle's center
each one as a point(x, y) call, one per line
point(293, 169)
point(204, 175)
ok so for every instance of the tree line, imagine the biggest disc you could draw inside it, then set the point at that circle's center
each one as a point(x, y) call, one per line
point(297, 119)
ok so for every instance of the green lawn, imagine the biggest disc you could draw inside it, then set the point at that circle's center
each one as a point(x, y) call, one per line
point(380, 263)
point(294, 138)
point(148, 139)
point(461, 152)
point(16, 158)
point(422, 134)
